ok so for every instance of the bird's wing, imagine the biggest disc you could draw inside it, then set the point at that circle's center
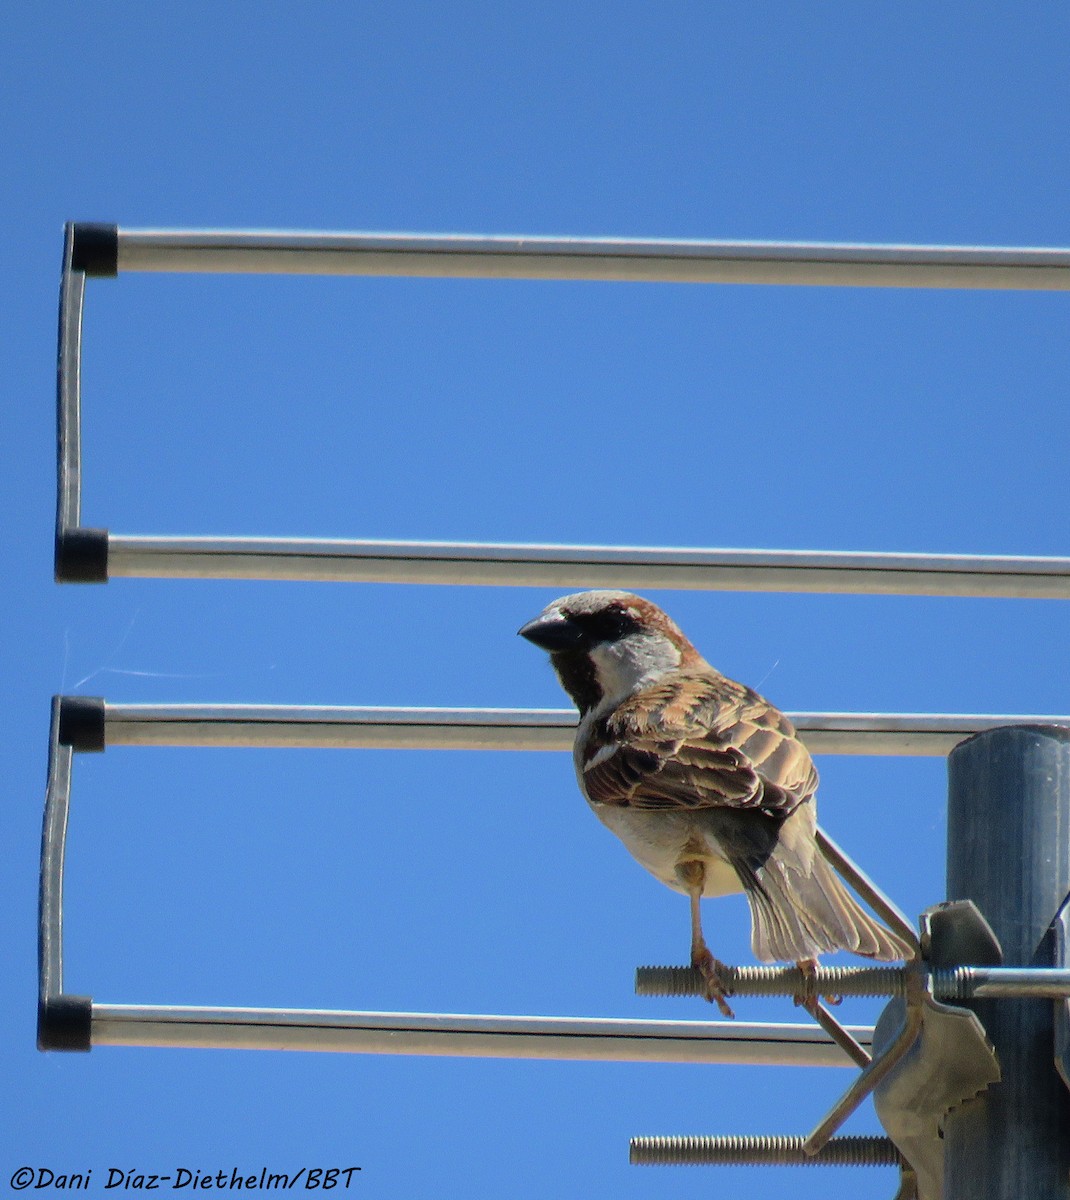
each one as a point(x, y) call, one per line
point(698, 741)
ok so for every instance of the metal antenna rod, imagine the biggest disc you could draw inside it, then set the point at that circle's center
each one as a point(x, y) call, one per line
point(1009, 852)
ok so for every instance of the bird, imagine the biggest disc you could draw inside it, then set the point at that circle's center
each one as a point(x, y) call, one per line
point(705, 782)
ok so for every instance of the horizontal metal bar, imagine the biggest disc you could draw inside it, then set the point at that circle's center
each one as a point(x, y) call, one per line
point(985, 983)
point(957, 983)
point(774, 981)
point(610, 259)
point(498, 728)
point(587, 566)
point(344, 728)
point(583, 1038)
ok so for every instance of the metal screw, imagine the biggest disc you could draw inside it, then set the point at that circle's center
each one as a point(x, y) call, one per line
point(863, 1151)
point(775, 981)
point(954, 984)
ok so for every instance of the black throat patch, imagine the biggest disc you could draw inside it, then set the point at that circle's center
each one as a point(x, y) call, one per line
point(576, 671)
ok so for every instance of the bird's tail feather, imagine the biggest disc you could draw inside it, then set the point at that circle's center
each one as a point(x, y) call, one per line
point(800, 911)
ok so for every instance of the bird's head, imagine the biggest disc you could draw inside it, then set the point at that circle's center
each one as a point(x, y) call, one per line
point(608, 644)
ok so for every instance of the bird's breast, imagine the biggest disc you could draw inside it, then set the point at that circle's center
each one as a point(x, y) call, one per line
point(661, 840)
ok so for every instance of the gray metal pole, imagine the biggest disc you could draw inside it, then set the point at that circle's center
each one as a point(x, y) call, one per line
point(1009, 852)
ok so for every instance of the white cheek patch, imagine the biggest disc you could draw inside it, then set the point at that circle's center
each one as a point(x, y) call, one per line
point(624, 666)
point(604, 752)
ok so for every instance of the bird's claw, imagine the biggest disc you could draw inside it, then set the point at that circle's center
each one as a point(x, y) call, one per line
point(713, 971)
point(802, 1000)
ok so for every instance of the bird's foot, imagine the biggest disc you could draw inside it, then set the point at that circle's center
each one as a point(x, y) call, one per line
point(713, 973)
point(807, 998)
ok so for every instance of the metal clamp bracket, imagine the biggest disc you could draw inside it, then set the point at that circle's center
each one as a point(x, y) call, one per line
point(928, 1057)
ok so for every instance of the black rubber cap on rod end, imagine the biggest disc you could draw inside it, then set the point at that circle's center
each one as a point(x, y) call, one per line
point(82, 556)
point(95, 249)
point(81, 723)
point(65, 1023)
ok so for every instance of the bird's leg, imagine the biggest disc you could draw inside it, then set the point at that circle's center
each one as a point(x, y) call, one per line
point(692, 875)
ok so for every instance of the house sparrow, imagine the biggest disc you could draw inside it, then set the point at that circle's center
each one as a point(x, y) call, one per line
point(705, 782)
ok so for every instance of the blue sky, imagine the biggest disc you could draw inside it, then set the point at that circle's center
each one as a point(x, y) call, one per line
point(619, 414)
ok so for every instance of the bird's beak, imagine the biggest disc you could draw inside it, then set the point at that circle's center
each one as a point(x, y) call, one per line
point(553, 632)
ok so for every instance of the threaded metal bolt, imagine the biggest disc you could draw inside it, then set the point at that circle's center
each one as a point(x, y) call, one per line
point(955, 983)
point(947, 983)
point(861, 1151)
point(775, 981)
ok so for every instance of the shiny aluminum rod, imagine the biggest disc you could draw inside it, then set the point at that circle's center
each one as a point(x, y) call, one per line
point(608, 259)
point(1004, 983)
point(277, 726)
point(68, 395)
point(561, 1038)
point(521, 565)
point(53, 851)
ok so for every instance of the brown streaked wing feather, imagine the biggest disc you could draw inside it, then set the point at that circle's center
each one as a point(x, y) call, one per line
point(615, 779)
point(699, 741)
point(656, 777)
point(771, 744)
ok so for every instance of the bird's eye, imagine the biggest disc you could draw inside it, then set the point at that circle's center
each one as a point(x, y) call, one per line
point(609, 624)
